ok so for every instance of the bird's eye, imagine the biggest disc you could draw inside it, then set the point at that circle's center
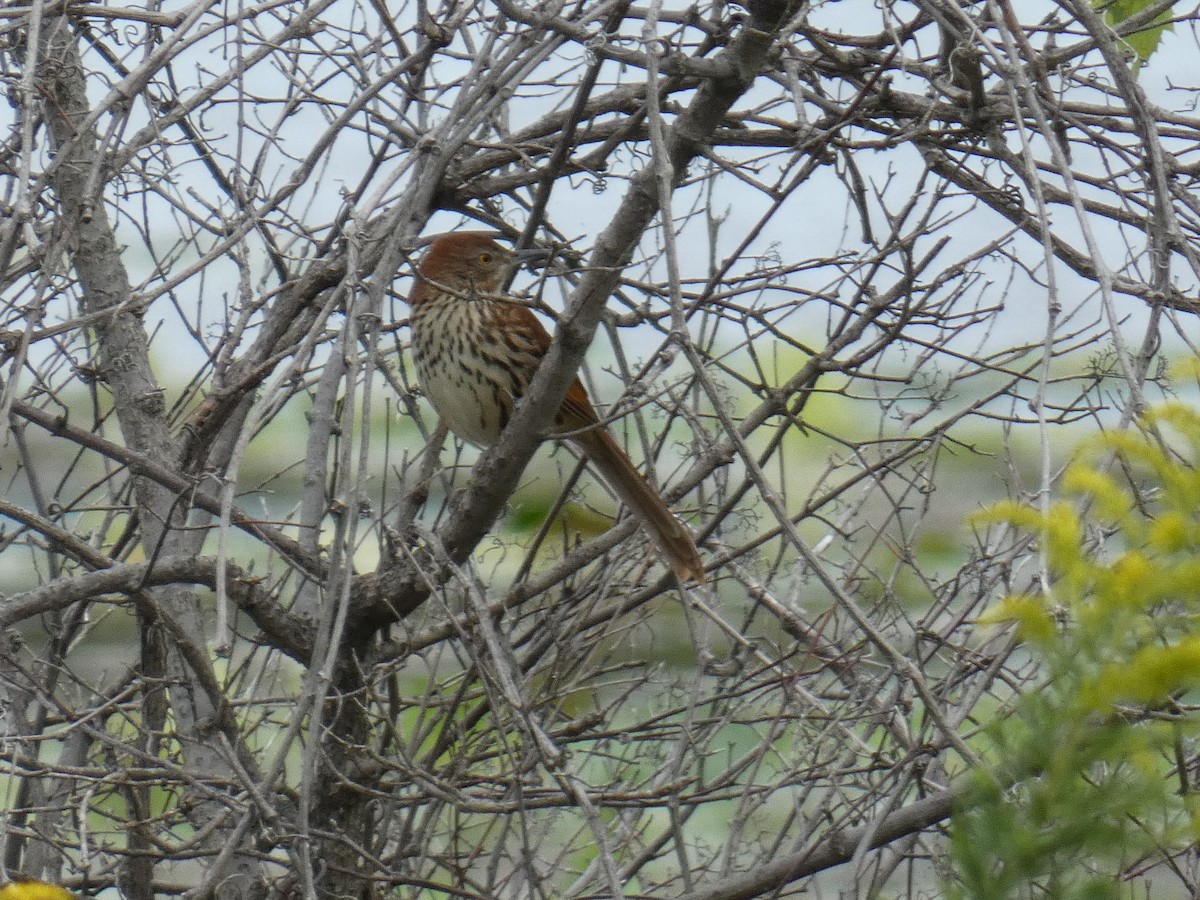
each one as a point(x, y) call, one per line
point(485, 258)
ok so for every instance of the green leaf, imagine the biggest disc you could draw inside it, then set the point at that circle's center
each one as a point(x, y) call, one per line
point(1143, 42)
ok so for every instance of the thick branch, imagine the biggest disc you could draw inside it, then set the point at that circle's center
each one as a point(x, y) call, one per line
point(833, 850)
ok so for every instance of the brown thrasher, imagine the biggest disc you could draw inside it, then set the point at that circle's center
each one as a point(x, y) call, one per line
point(476, 352)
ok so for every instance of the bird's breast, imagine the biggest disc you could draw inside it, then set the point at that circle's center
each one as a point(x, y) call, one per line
point(470, 365)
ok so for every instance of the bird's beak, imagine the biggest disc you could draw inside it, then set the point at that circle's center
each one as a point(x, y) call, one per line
point(533, 256)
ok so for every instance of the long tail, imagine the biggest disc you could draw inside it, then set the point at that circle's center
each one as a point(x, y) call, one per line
point(672, 537)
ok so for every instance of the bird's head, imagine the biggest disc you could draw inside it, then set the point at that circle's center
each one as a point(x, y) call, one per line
point(467, 259)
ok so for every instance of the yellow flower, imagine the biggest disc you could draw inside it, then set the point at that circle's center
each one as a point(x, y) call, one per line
point(28, 889)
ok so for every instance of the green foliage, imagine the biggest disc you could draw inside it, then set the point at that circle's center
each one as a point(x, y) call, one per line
point(1145, 41)
point(1082, 781)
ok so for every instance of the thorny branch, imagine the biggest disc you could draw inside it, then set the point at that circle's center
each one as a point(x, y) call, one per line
point(841, 279)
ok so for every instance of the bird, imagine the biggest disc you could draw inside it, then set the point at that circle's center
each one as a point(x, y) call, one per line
point(30, 889)
point(475, 352)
